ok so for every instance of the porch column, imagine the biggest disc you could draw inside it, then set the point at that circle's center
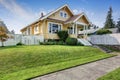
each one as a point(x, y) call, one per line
point(73, 28)
point(76, 30)
point(84, 30)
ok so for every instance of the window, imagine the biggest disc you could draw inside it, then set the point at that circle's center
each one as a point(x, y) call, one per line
point(54, 27)
point(36, 28)
point(63, 14)
point(70, 30)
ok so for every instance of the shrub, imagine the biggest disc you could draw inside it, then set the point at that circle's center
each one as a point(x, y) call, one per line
point(19, 44)
point(71, 41)
point(60, 43)
point(80, 44)
point(63, 35)
point(51, 40)
point(103, 31)
point(48, 43)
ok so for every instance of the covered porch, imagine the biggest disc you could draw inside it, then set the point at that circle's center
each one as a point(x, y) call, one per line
point(75, 28)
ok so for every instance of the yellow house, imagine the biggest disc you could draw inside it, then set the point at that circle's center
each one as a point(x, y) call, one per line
point(59, 19)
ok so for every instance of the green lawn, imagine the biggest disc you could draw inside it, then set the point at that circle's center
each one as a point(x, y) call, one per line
point(23, 62)
point(114, 75)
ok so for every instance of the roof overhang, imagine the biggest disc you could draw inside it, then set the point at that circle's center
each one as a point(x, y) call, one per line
point(56, 11)
point(80, 23)
point(82, 14)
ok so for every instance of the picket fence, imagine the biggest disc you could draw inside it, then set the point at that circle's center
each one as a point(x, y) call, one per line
point(27, 40)
point(108, 39)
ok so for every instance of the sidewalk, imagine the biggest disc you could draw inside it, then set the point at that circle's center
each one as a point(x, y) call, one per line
point(90, 71)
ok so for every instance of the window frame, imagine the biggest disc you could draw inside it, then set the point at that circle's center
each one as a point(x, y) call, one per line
point(36, 29)
point(63, 14)
point(50, 28)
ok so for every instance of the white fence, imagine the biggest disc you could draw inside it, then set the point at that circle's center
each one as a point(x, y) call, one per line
point(27, 40)
point(108, 39)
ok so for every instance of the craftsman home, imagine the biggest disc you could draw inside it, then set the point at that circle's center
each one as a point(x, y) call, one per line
point(59, 19)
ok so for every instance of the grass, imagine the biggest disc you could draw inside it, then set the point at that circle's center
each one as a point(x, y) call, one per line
point(114, 75)
point(23, 62)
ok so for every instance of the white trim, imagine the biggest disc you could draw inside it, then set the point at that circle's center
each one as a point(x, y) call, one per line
point(36, 29)
point(81, 16)
point(76, 31)
point(56, 11)
point(73, 26)
point(52, 12)
point(80, 23)
point(54, 23)
point(63, 14)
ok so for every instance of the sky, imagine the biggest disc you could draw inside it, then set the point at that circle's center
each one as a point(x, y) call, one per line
point(17, 14)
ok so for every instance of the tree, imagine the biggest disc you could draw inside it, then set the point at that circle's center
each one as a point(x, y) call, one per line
point(12, 32)
point(63, 35)
point(118, 25)
point(3, 35)
point(109, 23)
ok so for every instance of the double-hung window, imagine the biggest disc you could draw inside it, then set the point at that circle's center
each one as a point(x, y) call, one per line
point(54, 27)
point(63, 14)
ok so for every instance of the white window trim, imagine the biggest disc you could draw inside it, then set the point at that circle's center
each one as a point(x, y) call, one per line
point(36, 26)
point(51, 28)
point(63, 12)
point(66, 15)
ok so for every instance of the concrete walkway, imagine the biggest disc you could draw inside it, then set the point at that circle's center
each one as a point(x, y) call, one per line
point(90, 71)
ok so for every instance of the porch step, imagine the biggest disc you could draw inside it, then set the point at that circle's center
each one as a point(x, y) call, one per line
point(84, 42)
point(103, 48)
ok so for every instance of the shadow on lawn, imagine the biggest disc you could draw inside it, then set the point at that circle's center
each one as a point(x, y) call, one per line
point(7, 47)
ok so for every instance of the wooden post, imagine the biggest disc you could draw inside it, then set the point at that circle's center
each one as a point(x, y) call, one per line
point(76, 31)
point(84, 30)
point(73, 28)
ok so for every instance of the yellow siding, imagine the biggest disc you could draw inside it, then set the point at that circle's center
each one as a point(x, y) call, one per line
point(83, 19)
point(43, 25)
point(58, 17)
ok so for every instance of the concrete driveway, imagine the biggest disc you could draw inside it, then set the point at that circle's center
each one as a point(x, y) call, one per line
point(90, 71)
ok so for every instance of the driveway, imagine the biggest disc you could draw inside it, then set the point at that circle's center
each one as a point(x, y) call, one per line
point(90, 71)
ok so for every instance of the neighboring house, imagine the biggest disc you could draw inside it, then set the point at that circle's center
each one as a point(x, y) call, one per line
point(57, 20)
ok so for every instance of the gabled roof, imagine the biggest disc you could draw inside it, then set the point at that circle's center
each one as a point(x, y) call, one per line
point(82, 14)
point(76, 17)
point(56, 11)
point(72, 18)
point(52, 12)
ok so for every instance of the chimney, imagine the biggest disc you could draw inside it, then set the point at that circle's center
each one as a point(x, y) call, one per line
point(42, 14)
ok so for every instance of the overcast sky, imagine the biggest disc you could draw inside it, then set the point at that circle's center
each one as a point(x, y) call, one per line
point(16, 14)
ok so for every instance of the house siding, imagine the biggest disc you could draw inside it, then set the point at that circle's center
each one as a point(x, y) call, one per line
point(83, 20)
point(58, 17)
point(43, 25)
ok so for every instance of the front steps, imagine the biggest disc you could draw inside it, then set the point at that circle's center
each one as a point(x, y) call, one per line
point(84, 42)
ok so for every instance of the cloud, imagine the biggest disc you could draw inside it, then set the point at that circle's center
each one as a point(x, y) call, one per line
point(93, 17)
point(20, 15)
point(77, 11)
point(15, 8)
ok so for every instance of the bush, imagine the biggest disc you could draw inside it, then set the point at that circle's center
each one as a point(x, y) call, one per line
point(71, 41)
point(19, 44)
point(51, 40)
point(63, 35)
point(103, 31)
point(80, 44)
point(60, 43)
